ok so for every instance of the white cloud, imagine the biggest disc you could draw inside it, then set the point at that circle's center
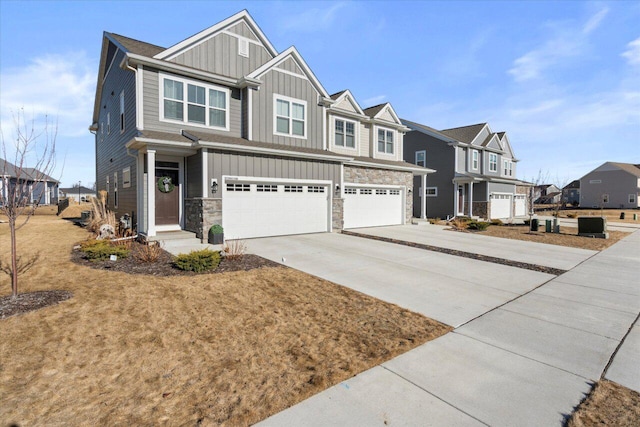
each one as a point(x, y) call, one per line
point(60, 86)
point(565, 43)
point(311, 20)
point(374, 100)
point(633, 52)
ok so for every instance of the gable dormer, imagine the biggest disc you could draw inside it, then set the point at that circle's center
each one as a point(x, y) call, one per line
point(386, 132)
point(346, 132)
point(234, 48)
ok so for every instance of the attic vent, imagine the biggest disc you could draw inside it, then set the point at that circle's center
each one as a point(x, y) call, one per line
point(243, 47)
point(190, 136)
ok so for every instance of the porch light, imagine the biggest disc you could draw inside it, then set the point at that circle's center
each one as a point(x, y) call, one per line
point(337, 188)
point(214, 186)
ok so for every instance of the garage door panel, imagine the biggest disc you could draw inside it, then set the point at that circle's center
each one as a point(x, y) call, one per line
point(371, 207)
point(520, 205)
point(277, 210)
point(500, 206)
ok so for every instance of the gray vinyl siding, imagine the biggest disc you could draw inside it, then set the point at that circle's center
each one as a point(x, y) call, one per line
point(618, 184)
point(111, 153)
point(194, 175)
point(244, 131)
point(462, 159)
point(290, 65)
point(219, 55)
point(496, 187)
point(480, 192)
point(151, 97)
point(226, 163)
point(440, 156)
point(243, 30)
point(275, 82)
point(485, 159)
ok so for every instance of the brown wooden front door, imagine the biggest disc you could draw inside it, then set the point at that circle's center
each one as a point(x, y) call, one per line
point(167, 200)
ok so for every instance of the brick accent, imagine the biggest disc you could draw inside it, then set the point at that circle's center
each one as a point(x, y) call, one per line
point(360, 175)
point(201, 214)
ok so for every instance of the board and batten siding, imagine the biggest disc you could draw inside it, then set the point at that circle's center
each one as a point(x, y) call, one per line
point(194, 175)
point(151, 99)
point(262, 106)
point(498, 187)
point(111, 152)
point(219, 55)
point(227, 163)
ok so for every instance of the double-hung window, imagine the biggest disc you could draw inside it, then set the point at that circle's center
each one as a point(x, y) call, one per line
point(122, 111)
point(203, 105)
point(421, 158)
point(290, 117)
point(493, 162)
point(385, 141)
point(475, 156)
point(345, 133)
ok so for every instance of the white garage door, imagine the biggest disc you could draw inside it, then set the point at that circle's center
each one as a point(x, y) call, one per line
point(259, 209)
point(500, 206)
point(520, 205)
point(370, 207)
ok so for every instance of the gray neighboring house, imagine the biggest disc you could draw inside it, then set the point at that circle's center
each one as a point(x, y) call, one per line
point(571, 193)
point(611, 185)
point(475, 172)
point(546, 194)
point(80, 193)
point(221, 128)
point(40, 188)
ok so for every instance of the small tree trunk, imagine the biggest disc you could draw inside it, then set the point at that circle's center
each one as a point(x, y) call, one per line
point(14, 259)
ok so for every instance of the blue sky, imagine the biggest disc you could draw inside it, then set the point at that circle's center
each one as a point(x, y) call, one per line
point(561, 78)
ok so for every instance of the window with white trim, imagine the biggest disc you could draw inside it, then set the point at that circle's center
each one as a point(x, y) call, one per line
point(115, 189)
point(632, 198)
point(122, 111)
point(605, 198)
point(421, 158)
point(493, 162)
point(431, 191)
point(126, 177)
point(385, 141)
point(205, 105)
point(108, 123)
point(345, 133)
point(290, 117)
point(475, 159)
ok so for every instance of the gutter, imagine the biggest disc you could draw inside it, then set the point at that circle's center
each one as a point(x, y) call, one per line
point(392, 167)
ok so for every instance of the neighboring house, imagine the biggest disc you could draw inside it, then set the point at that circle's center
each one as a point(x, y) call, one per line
point(546, 194)
point(221, 128)
point(571, 193)
point(80, 193)
point(39, 188)
point(611, 185)
point(476, 172)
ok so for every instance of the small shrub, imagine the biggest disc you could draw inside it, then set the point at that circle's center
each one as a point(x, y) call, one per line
point(478, 225)
point(198, 261)
point(101, 250)
point(216, 229)
point(149, 252)
point(459, 223)
point(234, 250)
point(496, 222)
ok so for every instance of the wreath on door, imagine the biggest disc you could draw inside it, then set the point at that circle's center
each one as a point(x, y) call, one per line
point(165, 184)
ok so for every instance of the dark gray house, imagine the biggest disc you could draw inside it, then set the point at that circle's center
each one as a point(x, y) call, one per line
point(222, 128)
point(37, 187)
point(611, 185)
point(571, 193)
point(475, 172)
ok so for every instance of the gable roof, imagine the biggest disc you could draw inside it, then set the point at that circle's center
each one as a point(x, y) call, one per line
point(135, 46)
point(337, 94)
point(377, 110)
point(12, 171)
point(628, 167)
point(372, 111)
point(82, 189)
point(428, 130)
point(293, 53)
point(573, 184)
point(465, 134)
point(338, 97)
point(207, 33)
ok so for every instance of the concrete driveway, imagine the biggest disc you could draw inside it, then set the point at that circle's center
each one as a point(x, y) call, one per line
point(450, 289)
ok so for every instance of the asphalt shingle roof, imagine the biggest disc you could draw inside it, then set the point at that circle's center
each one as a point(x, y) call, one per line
point(628, 167)
point(337, 95)
point(372, 111)
point(136, 46)
point(464, 134)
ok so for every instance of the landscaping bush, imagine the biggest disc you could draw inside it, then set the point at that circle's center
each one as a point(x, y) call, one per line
point(149, 252)
point(496, 222)
point(459, 223)
point(101, 250)
point(478, 225)
point(198, 261)
point(216, 229)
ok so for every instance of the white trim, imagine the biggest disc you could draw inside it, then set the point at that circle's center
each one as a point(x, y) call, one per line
point(352, 100)
point(387, 186)
point(140, 98)
point(185, 102)
point(126, 170)
point(418, 169)
point(181, 188)
point(116, 197)
point(325, 143)
point(243, 46)
point(423, 197)
point(425, 157)
point(489, 162)
point(277, 97)
point(205, 173)
point(210, 32)
point(239, 37)
point(476, 161)
point(108, 122)
point(356, 134)
point(291, 73)
point(121, 116)
point(141, 215)
point(151, 194)
point(115, 54)
point(250, 114)
point(435, 194)
point(394, 154)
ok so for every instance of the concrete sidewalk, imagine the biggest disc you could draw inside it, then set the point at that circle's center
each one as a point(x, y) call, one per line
point(527, 362)
point(560, 257)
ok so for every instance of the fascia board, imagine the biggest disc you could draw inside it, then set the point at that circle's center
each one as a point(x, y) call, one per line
point(272, 151)
point(352, 100)
point(211, 31)
point(419, 169)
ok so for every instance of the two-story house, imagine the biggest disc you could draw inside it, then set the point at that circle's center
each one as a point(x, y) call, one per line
point(475, 177)
point(223, 129)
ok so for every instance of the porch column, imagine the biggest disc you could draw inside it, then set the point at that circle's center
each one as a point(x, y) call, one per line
point(151, 193)
point(141, 212)
point(470, 199)
point(455, 199)
point(423, 198)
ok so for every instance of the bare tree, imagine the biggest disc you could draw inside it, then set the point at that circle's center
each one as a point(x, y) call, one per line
point(531, 194)
point(32, 152)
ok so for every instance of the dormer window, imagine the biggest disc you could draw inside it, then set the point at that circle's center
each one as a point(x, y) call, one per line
point(205, 105)
point(385, 141)
point(345, 133)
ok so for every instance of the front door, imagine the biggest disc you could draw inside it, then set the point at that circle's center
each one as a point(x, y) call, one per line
point(167, 193)
point(460, 200)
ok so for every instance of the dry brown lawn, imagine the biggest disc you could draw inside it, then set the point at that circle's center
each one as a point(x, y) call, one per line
point(612, 215)
point(229, 348)
point(608, 404)
point(567, 237)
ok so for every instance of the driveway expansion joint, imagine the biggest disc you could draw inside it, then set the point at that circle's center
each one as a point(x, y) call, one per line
point(471, 255)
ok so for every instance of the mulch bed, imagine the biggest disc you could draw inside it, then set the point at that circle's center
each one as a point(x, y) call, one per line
point(30, 301)
point(163, 266)
point(479, 257)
